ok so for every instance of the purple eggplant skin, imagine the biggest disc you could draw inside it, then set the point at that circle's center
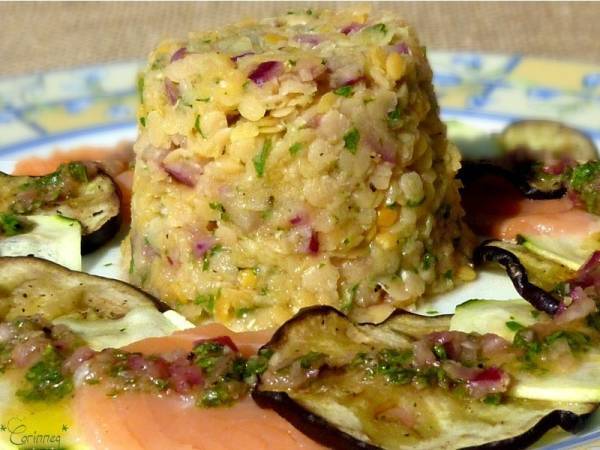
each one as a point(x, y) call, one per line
point(313, 426)
point(472, 171)
point(539, 298)
point(327, 434)
point(93, 241)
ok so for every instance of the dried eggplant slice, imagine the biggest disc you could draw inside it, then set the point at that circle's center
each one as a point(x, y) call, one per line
point(521, 265)
point(76, 190)
point(546, 139)
point(36, 286)
point(342, 409)
point(471, 171)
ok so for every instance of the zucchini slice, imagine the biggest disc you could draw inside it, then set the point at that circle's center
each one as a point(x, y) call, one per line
point(546, 139)
point(342, 408)
point(79, 191)
point(54, 238)
point(492, 316)
point(31, 286)
point(580, 383)
point(571, 251)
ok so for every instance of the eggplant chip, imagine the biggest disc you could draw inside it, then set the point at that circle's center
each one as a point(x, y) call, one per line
point(472, 171)
point(76, 190)
point(349, 386)
point(534, 277)
point(30, 286)
point(547, 141)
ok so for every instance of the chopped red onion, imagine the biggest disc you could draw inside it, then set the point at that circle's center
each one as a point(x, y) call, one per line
point(157, 368)
point(347, 75)
point(183, 375)
point(489, 374)
point(457, 371)
point(77, 358)
point(313, 244)
point(223, 340)
point(137, 362)
point(314, 121)
point(266, 71)
point(202, 245)
point(589, 273)
point(241, 55)
point(488, 381)
point(312, 39)
point(352, 28)
point(296, 220)
point(582, 306)
point(423, 354)
point(387, 154)
point(179, 54)
point(27, 353)
point(492, 344)
point(172, 91)
point(401, 48)
point(183, 172)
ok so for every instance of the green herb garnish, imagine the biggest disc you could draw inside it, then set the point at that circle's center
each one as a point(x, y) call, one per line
point(351, 139)
point(11, 225)
point(514, 326)
point(45, 380)
point(295, 148)
point(260, 159)
point(197, 127)
point(344, 91)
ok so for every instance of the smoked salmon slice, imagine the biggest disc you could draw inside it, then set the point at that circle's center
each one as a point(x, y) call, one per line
point(136, 421)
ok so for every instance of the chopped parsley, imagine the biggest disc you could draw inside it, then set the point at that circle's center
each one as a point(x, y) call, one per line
point(208, 255)
point(197, 127)
point(394, 116)
point(140, 89)
point(45, 380)
point(344, 91)
point(415, 203)
point(514, 326)
point(11, 225)
point(585, 181)
point(260, 160)
point(440, 352)
point(493, 399)
point(379, 27)
point(257, 364)
point(351, 139)
point(220, 208)
point(311, 359)
point(207, 302)
point(428, 260)
point(349, 298)
point(295, 148)
point(78, 171)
